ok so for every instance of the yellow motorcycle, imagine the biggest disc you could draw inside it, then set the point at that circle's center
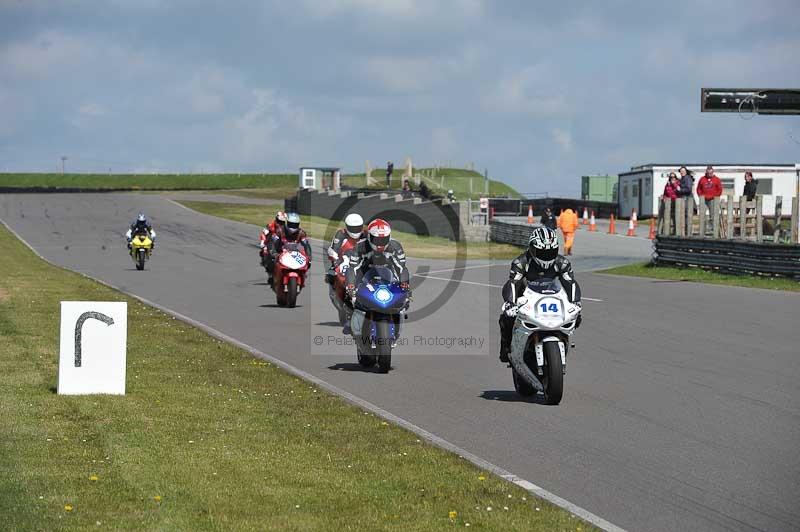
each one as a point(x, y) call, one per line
point(141, 249)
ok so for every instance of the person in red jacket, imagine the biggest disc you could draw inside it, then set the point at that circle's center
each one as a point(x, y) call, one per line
point(709, 186)
point(672, 191)
point(274, 227)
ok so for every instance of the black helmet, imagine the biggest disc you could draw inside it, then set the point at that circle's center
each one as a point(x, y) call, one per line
point(543, 246)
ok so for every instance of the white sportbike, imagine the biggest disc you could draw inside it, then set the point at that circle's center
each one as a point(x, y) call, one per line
point(540, 341)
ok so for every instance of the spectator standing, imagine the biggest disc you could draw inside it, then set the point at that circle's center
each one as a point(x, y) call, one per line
point(389, 171)
point(549, 219)
point(671, 192)
point(709, 186)
point(568, 221)
point(750, 186)
point(673, 187)
point(685, 191)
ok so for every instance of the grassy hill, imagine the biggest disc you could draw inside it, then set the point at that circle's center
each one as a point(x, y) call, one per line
point(464, 183)
point(146, 182)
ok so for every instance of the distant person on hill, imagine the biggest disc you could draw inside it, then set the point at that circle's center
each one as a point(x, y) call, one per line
point(408, 192)
point(549, 219)
point(389, 170)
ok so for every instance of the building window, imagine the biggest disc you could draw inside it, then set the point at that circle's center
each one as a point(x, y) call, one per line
point(309, 173)
point(625, 191)
point(764, 186)
point(728, 186)
point(635, 190)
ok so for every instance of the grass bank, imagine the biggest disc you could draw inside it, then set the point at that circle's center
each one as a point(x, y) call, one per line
point(464, 183)
point(208, 438)
point(148, 182)
point(698, 275)
point(427, 247)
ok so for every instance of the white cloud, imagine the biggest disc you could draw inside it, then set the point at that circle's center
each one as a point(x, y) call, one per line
point(533, 91)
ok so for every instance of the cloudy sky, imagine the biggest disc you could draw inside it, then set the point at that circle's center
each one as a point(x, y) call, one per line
point(537, 92)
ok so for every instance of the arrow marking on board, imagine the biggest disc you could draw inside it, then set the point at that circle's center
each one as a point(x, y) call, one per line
point(79, 330)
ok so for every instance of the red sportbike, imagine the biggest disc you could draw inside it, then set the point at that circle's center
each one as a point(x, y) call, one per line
point(336, 294)
point(289, 275)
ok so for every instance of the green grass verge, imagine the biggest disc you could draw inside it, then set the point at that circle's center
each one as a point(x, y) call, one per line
point(149, 182)
point(427, 247)
point(208, 438)
point(704, 276)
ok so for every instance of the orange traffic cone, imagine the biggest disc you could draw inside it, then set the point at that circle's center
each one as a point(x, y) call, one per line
point(611, 228)
point(635, 218)
point(592, 224)
point(652, 235)
point(585, 216)
point(630, 228)
point(530, 214)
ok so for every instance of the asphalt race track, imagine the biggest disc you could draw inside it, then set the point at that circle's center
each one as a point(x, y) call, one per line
point(682, 404)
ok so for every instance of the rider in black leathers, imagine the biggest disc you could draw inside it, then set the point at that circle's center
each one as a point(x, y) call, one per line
point(541, 259)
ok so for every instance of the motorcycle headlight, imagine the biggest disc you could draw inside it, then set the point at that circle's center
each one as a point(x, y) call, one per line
point(383, 295)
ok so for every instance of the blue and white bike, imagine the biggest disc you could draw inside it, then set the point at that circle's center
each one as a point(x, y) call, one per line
point(541, 339)
point(379, 308)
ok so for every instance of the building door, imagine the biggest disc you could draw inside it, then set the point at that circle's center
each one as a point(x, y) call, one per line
point(640, 202)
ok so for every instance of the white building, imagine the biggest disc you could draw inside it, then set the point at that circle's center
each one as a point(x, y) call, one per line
point(642, 187)
point(320, 177)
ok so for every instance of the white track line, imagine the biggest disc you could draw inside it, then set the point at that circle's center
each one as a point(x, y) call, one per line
point(426, 276)
point(363, 403)
point(468, 267)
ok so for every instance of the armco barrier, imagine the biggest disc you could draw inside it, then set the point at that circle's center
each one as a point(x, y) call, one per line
point(509, 233)
point(729, 255)
point(430, 218)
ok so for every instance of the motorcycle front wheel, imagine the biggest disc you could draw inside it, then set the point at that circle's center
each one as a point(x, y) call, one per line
point(553, 380)
point(140, 259)
point(291, 292)
point(384, 341)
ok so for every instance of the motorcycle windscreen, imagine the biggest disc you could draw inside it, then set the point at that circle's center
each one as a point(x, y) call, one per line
point(545, 285)
point(378, 275)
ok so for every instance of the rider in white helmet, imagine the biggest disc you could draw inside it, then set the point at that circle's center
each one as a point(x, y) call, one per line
point(344, 240)
point(141, 226)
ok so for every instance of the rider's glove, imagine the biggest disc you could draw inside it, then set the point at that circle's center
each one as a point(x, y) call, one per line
point(351, 291)
point(510, 309)
point(404, 286)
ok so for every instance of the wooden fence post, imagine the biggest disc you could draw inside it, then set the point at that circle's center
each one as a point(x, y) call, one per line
point(795, 219)
point(759, 221)
point(701, 210)
point(776, 231)
point(689, 211)
point(730, 217)
point(664, 216)
point(715, 217)
point(742, 217)
point(680, 217)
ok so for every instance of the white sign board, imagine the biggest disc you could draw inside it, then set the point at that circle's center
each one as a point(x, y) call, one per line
point(93, 347)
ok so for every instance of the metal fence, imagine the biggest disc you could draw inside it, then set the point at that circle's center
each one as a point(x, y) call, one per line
point(732, 256)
